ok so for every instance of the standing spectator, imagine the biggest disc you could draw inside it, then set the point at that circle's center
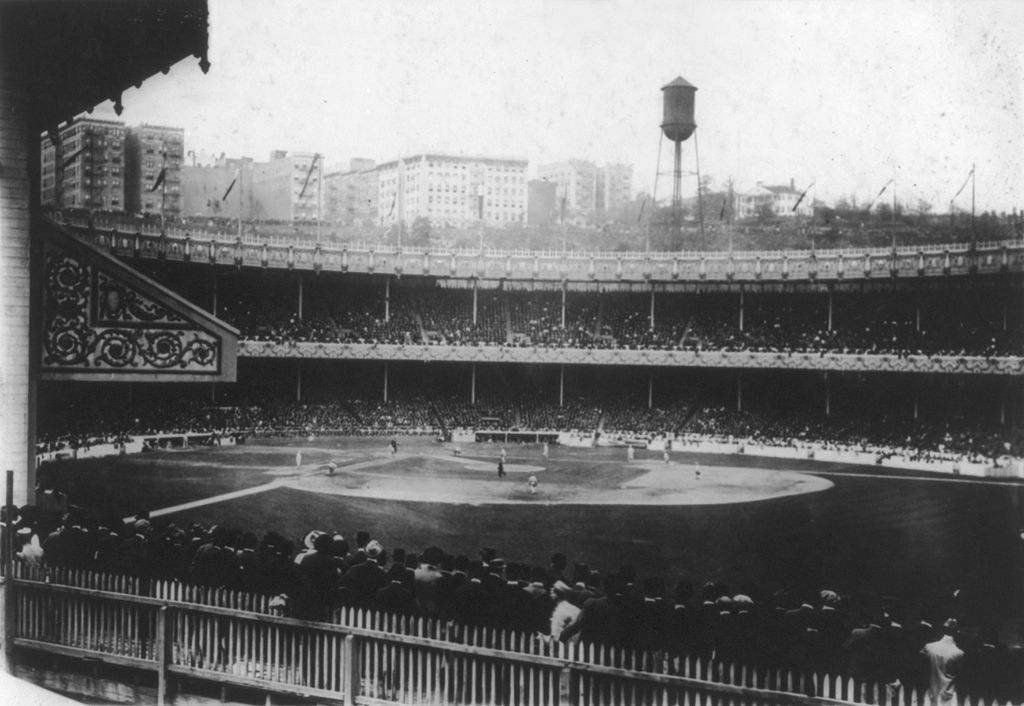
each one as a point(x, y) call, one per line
point(428, 579)
point(944, 661)
point(364, 580)
point(215, 565)
point(564, 613)
point(318, 580)
point(395, 597)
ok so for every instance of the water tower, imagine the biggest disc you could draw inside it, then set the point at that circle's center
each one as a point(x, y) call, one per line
point(678, 124)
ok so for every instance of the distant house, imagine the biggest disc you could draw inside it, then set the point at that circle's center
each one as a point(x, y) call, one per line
point(783, 201)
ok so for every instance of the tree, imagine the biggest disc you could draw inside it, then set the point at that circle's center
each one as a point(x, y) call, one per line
point(420, 234)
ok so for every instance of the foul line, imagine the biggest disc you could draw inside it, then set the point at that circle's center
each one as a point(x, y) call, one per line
point(213, 499)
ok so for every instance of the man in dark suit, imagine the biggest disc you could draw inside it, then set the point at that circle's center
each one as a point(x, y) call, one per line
point(395, 597)
point(363, 580)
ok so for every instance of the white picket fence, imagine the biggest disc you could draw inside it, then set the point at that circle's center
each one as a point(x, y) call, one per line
point(364, 657)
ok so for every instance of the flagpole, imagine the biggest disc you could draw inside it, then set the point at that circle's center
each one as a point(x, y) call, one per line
point(894, 215)
point(654, 196)
point(319, 197)
point(163, 187)
point(401, 199)
point(700, 195)
point(974, 235)
point(240, 201)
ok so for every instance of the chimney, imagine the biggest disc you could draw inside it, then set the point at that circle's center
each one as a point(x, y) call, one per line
point(792, 184)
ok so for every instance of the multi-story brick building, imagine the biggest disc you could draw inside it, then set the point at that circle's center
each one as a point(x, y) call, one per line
point(287, 187)
point(588, 191)
point(150, 150)
point(351, 196)
point(203, 188)
point(450, 189)
point(575, 185)
point(542, 202)
point(88, 168)
point(614, 187)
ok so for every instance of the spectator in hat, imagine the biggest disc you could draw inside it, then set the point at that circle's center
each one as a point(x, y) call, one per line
point(427, 578)
point(363, 580)
point(134, 554)
point(318, 580)
point(556, 569)
point(396, 597)
point(30, 551)
point(564, 613)
point(214, 565)
point(472, 604)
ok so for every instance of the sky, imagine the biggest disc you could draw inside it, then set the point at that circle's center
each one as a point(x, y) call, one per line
point(847, 95)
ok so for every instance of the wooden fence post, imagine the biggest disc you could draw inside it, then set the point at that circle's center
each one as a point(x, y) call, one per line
point(163, 655)
point(565, 687)
point(349, 671)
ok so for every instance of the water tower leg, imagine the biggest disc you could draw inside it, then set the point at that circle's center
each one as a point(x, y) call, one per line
point(677, 187)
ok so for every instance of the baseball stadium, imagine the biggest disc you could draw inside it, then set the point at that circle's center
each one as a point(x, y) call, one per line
point(270, 464)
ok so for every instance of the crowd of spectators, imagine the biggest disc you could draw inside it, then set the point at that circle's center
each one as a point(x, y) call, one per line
point(861, 325)
point(887, 435)
point(958, 436)
point(874, 639)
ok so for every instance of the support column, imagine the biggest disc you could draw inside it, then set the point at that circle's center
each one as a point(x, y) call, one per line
point(917, 317)
point(474, 302)
point(1002, 405)
point(385, 381)
point(739, 393)
point(213, 296)
point(917, 395)
point(472, 380)
point(741, 307)
point(561, 385)
point(298, 381)
point(828, 396)
point(830, 288)
point(652, 308)
point(564, 285)
point(650, 388)
point(387, 301)
point(301, 282)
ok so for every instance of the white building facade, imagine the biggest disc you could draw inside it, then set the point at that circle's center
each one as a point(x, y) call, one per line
point(453, 190)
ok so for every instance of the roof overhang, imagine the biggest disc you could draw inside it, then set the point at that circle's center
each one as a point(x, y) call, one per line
point(75, 55)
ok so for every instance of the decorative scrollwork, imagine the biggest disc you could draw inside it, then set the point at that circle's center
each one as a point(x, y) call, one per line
point(66, 341)
point(146, 335)
point(118, 303)
point(162, 349)
point(67, 281)
point(115, 348)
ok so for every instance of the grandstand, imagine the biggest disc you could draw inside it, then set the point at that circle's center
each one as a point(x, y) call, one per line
point(881, 358)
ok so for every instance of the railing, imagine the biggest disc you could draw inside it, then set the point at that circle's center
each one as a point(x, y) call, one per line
point(147, 241)
point(373, 658)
